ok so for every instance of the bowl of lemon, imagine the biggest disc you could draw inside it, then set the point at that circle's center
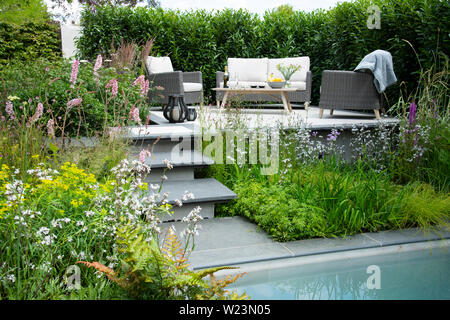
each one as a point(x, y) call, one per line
point(276, 83)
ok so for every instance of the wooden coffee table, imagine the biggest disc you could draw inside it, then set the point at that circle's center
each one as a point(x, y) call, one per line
point(283, 92)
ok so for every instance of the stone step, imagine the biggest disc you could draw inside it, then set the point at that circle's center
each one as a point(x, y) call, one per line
point(162, 132)
point(183, 162)
point(179, 157)
point(206, 193)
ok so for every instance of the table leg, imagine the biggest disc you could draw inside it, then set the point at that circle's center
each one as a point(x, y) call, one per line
point(286, 104)
point(224, 99)
point(377, 114)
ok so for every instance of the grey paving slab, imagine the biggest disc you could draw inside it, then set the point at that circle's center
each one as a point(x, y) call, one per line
point(267, 116)
point(204, 190)
point(325, 245)
point(237, 255)
point(229, 232)
point(393, 237)
point(177, 158)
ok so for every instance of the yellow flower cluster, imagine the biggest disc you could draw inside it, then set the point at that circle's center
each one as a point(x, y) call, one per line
point(4, 175)
point(72, 181)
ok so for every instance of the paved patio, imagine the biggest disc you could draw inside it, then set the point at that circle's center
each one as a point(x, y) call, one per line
point(274, 116)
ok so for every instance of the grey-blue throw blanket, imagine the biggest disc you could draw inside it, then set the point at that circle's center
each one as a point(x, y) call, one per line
point(379, 62)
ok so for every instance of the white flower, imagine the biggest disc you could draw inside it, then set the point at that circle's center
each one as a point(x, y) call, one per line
point(11, 277)
point(43, 231)
point(168, 164)
point(89, 213)
point(178, 203)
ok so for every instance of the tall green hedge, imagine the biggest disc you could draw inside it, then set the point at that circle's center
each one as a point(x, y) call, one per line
point(29, 41)
point(333, 39)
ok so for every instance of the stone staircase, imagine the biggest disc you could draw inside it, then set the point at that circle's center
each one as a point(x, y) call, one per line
point(177, 143)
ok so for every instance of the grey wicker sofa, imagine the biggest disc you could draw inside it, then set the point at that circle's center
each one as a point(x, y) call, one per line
point(160, 72)
point(341, 90)
point(255, 71)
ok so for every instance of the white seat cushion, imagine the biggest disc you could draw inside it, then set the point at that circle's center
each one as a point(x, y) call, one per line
point(300, 75)
point(192, 86)
point(299, 85)
point(248, 69)
point(159, 64)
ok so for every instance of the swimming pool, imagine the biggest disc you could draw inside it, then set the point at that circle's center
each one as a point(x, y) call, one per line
point(409, 271)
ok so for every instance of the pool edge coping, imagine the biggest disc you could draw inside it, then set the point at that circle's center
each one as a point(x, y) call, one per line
point(436, 233)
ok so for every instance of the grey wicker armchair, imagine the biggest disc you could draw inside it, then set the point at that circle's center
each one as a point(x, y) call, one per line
point(160, 72)
point(341, 90)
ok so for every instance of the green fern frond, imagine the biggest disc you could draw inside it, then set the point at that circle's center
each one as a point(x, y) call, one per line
point(204, 272)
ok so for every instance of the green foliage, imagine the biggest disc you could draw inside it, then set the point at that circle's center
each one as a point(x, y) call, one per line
point(334, 39)
point(424, 147)
point(23, 11)
point(48, 82)
point(322, 201)
point(149, 271)
point(275, 209)
point(29, 42)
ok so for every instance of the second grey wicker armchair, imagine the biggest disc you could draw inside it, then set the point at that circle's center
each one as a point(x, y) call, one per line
point(349, 90)
point(160, 72)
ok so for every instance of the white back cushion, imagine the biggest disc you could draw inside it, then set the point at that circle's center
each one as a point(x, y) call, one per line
point(300, 75)
point(159, 64)
point(247, 69)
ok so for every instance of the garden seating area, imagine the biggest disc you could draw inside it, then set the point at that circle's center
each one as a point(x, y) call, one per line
point(107, 176)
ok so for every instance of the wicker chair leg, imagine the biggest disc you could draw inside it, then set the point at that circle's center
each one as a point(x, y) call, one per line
point(383, 111)
point(321, 113)
point(377, 114)
point(331, 112)
point(218, 103)
point(307, 105)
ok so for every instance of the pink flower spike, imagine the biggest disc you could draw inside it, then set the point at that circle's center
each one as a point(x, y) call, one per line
point(143, 84)
point(10, 110)
point(139, 80)
point(50, 129)
point(38, 114)
point(114, 85)
point(74, 74)
point(143, 155)
point(98, 63)
point(97, 66)
point(134, 114)
point(74, 102)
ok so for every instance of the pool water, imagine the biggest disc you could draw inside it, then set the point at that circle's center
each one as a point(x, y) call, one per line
point(419, 274)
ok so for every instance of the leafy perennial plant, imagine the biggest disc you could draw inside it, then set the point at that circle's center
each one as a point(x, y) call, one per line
point(54, 218)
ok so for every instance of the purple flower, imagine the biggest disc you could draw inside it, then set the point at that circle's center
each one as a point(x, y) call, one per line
point(412, 113)
point(315, 133)
point(74, 74)
point(333, 135)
